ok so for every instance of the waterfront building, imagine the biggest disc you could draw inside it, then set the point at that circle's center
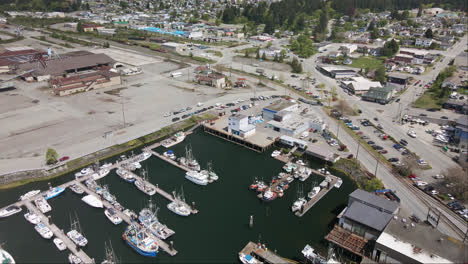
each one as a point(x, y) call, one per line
point(282, 105)
point(239, 125)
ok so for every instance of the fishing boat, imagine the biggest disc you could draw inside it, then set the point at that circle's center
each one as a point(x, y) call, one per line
point(84, 172)
point(304, 173)
point(10, 210)
point(53, 192)
point(107, 195)
point(144, 156)
point(142, 242)
point(298, 204)
point(144, 186)
point(29, 194)
point(76, 189)
point(105, 166)
point(125, 175)
point(189, 161)
point(313, 192)
point(311, 256)
point(212, 176)
point(43, 205)
point(92, 201)
point(136, 164)
point(169, 154)
point(178, 206)
point(59, 244)
point(111, 258)
point(73, 259)
point(130, 213)
point(101, 173)
point(197, 177)
point(269, 195)
point(32, 218)
point(112, 216)
point(44, 231)
point(148, 218)
point(275, 153)
point(338, 183)
point(254, 185)
point(75, 233)
point(248, 259)
point(5, 257)
point(174, 140)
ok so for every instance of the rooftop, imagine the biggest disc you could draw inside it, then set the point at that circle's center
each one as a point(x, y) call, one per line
point(238, 116)
point(292, 123)
point(423, 243)
point(367, 215)
point(374, 200)
point(279, 106)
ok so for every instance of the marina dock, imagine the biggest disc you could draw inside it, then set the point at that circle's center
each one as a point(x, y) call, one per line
point(59, 234)
point(263, 254)
point(317, 197)
point(161, 192)
point(161, 243)
point(173, 162)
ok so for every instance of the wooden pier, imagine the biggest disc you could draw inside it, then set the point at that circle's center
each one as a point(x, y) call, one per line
point(317, 197)
point(175, 163)
point(263, 254)
point(126, 218)
point(161, 192)
point(59, 233)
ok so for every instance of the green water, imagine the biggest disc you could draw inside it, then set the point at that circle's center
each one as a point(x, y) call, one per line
point(216, 234)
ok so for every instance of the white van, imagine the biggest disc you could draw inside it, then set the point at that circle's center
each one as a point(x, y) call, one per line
point(176, 74)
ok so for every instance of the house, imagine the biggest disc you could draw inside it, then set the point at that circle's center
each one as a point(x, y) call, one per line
point(348, 48)
point(362, 222)
point(213, 79)
point(335, 54)
point(423, 42)
point(359, 85)
point(91, 27)
point(403, 59)
point(404, 241)
point(457, 105)
point(336, 72)
point(380, 95)
point(398, 78)
point(404, 33)
point(241, 82)
point(292, 124)
point(269, 52)
point(238, 124)
point(202, 70)
point(407, 42)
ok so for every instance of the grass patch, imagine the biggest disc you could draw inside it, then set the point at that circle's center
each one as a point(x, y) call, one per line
point(203, 60)
point(426, 101)
point(215, 52)
point(366, 62)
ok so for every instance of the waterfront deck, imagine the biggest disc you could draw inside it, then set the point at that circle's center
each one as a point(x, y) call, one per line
point(163, 245)
point(59, 233)
point(263, 254)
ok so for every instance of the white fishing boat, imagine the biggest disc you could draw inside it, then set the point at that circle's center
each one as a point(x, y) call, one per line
point(248, 259)
point(76, 189)
point(338, 183)
point(125, 175)
point(59, 244)
point(313, 192)
point(101, 173)
point(73, 259)
point(107, 195)
point(143, 156)
point(197, 177)
point(174, 140)
point(178, 206)
point(112, 216)
point(43, 205)
point(29, 194)
point(92, 201)
point(170, 154)
point(84, 172)
point(148, 218)
point(5, 257)
point(189, 161)
point(10, 210)
point(105, 166)
point(298, 204)
point(136, 164)
point(32, 218)
point(44, 231)
point(144, 186)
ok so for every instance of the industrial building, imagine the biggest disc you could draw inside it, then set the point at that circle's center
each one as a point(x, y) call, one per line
point(381, 95)
point(282, 105)
point(336, 72)
point(84, 82)
point(239, 125)
point(359, 85)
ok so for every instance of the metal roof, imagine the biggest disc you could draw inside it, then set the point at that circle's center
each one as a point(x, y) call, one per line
point(367, 215)
point(374, 200)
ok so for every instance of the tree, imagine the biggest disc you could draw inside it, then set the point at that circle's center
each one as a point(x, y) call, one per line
point(458, 176)
point(375, 33)
point(373, 185)
point(79, 27)
point(390, 48)
point(106, 44)
point(276, 58)
point(296, 65)
point(380, 74)
point(51, 156)
point(420, 10)
point(123, 4)
point(429, 33)
point(191, 55)
point(282, 55)
point(258, 54)
point(246, 53)
point(264, 55)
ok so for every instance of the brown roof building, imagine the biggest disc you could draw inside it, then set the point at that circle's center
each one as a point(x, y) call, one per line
point(84, 82)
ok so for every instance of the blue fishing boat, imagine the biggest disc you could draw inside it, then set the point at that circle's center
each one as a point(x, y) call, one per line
point(141, 241)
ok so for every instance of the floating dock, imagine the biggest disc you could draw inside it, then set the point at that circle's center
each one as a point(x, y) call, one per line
point(59, 234)
point(263, 254)
point(173, 162)
point(161, 243)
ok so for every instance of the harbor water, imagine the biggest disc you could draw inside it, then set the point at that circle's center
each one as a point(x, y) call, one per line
point(216, 234)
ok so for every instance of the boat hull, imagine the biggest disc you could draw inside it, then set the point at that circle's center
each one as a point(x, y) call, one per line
point(55, 194)
point(151, 254)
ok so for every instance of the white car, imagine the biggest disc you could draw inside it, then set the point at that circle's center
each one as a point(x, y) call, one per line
point(422, 162)
point(421, 183)
point(412, 134)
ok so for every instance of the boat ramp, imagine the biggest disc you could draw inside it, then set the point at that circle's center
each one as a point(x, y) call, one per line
point(263, 254)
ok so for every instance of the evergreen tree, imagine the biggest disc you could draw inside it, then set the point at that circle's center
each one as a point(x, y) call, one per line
point(429, 33)
point(276, 58)
point(264, 55)
point(79, 27)
point(380, 74)
point(258, 54)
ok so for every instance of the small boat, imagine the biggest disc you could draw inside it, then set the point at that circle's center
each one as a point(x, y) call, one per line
point(5, 257)
point(32, 218)
point(144, 156)
point(197, 177)
point(178, 206)
point(76, 189)
point(54, 192)
point(73, 259)
point(248, 259)
point(298, 204)
point(10, 210)
point(261, 186)
point(112, 216)
point(77, 238)
point(338, 183)
point(125, 175)
point(275, 153)
point(139, 239)
point(136, 164)
point(59, 244)
point(311, 256)
point(118, 207)
point(92, 201)
point(84, 172)
point(300, 162)
point(254, 185)
point(175, 139)
point(43, 205)
point(101, 173)
point(269, 195)
point(313, 192)
point(106, 166)
point(290, 179)
point(170, 154)
point(29, 194)
point(145, 187)
point(44, 231)
point(107, 195)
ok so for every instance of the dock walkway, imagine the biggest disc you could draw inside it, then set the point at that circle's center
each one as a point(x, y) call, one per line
point(169, 160)
point(262, 254)
point(126, 218)
point(59, 234)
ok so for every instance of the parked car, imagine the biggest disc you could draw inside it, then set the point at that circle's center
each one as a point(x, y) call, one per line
point(175, 119)
point(64, 158)
point(383, 151)
point(393, 159)
point(377, 147)
point(444, 117)
point(403, 142)
point(422, 115)
point(370, 142)
point(439, 176)
point(421, 183)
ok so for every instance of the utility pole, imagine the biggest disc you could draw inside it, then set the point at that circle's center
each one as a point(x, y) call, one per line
point(123, 111)
point(376, 166)
point(358, 146)
point(338, 128)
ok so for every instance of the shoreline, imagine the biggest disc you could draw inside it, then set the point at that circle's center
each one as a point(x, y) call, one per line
point(109, 152)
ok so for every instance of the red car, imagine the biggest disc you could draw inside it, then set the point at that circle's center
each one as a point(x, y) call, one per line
point(64, 158)
point(412, 176)
point(383, 151)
